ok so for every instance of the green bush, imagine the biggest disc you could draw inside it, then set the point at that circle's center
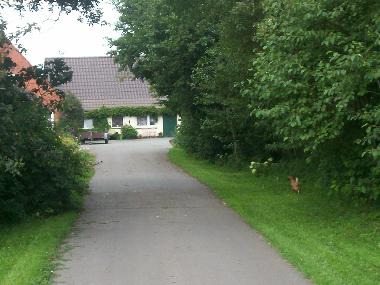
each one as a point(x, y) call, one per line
point(128, 132)
point(41, 173)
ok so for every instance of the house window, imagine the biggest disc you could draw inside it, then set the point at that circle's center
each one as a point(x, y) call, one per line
point(149, 120)
point(117, 122)
point(88, 124)
point(153, 120)
point(142, 121)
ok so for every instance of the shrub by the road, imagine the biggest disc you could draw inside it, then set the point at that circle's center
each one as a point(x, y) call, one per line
point(41, 173)
point(128, 132)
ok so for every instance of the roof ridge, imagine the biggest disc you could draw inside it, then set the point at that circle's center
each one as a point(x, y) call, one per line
point(82, 57)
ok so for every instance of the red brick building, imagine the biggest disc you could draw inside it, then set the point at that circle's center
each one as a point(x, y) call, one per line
point(49, 98)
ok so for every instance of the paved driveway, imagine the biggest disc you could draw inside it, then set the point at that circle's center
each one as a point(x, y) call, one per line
point(148, 223)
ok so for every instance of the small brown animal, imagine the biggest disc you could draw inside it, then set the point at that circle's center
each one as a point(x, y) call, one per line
point(294, 184)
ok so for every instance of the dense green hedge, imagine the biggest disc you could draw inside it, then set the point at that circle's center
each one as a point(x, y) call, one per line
point(106, 112)
point(41, 173)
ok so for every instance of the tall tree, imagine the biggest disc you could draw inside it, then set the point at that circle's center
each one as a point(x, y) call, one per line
point(194, 54)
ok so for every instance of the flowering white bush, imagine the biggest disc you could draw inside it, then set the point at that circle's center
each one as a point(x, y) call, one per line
point(256, 167)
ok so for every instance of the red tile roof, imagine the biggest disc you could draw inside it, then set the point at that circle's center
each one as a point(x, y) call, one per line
point(49, 97)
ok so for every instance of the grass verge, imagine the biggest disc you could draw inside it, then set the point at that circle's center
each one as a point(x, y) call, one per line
point(28, 250)
point(330, 241)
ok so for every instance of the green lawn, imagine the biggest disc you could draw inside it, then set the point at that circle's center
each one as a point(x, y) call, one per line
point(28, 250)
point(331, 242)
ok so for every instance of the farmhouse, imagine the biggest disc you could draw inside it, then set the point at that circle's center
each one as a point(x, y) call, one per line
point(118, 96)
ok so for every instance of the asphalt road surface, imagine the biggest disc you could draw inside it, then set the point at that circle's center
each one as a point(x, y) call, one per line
point(146, 222)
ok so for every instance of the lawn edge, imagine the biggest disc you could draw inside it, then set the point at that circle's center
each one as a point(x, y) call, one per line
point(59, 250)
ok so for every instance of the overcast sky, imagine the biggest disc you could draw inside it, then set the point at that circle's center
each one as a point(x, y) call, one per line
point(63, 38)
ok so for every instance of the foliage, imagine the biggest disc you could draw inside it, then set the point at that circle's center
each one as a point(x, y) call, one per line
point(330, 241)
point(40, 173)
point(106, 112)
point(253, 79)
point(53, 73)
point(72, 114)
point(87, 8)
point(128, 132)
point(224, 112)
point(259, 167)
point(195, 61)
point(33, 178)
point(101, 124)
point(316, 80)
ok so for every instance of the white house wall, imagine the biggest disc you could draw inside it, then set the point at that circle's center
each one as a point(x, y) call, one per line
point(143, 131)
point(160, 124)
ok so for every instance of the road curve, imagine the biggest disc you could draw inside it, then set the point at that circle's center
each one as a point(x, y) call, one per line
point(146, 222)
